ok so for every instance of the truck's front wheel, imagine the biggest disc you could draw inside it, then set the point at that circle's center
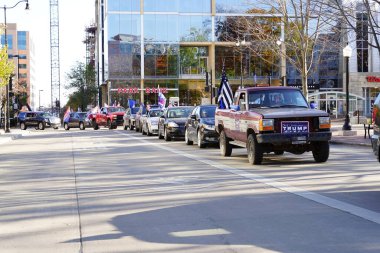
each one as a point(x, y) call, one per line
point(224, 143)
point(255, 153)
point(321, 151)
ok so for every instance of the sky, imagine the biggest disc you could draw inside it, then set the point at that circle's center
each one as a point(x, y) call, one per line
point(74, 17)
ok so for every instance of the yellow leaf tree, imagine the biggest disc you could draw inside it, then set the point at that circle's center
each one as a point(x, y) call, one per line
point(6, 67)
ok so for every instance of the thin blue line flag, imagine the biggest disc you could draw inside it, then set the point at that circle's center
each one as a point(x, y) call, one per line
point(224, 93)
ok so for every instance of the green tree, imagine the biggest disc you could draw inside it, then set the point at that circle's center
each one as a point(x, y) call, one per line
point(6, 70)
point(82, 81)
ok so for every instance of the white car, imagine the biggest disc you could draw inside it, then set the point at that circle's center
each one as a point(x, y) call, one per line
point(150, 122)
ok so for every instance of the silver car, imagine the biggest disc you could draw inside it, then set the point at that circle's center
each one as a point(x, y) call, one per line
point(150, 122)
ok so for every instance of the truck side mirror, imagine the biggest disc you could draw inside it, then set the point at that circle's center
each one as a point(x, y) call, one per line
point(313, 105)
point(235, 108)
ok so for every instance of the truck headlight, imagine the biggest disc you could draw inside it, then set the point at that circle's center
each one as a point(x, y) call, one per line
point(266, 125)
point(324, 122)
point(172, 124)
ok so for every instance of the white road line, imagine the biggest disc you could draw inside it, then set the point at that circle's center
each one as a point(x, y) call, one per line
point(340, 205)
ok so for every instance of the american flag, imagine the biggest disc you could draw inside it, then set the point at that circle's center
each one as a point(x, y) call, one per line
point(66, 117)
point(224, 93)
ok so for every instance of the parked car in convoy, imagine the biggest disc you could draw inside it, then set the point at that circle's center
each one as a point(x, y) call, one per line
point(375, 137)
point(129, 118)
point(39, 120)
point(273, 119)
point(140, 113)
point(172, 122)
point(200, 126)
point(76, 120)
point(111, 117)
point(150, 123)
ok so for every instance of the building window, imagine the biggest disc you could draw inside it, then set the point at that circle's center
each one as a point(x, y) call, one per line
point(193, 60)
point(123, 5)
point(23, 75)
point(22, 56)
point(21, 40)
point(362, 41)
point(22, 66)
point(195, 28)
point(9, 40)
point(161, 60)
point(237, 6)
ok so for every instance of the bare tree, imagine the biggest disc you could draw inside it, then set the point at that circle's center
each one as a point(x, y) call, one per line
point(307, 33)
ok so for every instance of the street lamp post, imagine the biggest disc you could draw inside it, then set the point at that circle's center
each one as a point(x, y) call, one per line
point(347, 52)
point(39, 99)
point(239, 44)
point(7, 120)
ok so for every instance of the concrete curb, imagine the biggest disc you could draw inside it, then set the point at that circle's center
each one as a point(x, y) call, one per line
point(349, 143)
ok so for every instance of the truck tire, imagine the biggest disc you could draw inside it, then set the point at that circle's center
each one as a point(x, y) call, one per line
point(321, 151)
point(255, 153)
point(82, 126)
point(23, 126)
point(224, 144)
point(187, 139)
point(95, 125)
point(66, 126)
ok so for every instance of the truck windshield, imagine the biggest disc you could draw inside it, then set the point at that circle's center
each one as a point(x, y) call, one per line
point(276, 98)
point(116, 109)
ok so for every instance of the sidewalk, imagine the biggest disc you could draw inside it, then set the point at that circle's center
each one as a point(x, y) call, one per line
point(358, 139)
point(15, 133)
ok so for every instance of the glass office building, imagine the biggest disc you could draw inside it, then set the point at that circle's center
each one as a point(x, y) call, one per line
point(148, 44)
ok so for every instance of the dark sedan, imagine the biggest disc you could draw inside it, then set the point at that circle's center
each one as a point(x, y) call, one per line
point(200, 126)
point(76, 120)
point(39, 120)
point(172, 123)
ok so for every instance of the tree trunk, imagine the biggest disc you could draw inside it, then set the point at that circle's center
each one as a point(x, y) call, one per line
point(305, 87)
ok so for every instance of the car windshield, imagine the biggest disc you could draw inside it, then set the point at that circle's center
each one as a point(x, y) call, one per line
point(155, 113)
point(116, 109)
point(208, 112)
point(81, 115)
point(46, 115)
point(179, 112)
point(134, 110)
point(276, 98)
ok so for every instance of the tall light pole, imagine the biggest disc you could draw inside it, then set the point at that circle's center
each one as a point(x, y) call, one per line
point(5, 8)
point(39, 99)
point(241, 44)
point(347, 52)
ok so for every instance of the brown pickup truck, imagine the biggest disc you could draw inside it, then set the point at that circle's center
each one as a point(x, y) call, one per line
point(273, 119)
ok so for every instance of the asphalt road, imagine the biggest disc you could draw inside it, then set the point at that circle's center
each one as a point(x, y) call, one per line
point(119, 191)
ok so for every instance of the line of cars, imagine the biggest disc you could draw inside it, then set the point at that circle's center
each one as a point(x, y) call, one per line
point(194, 124)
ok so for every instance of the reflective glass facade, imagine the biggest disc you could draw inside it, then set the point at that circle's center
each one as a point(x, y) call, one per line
point(21, 40)
point(173, 43)
point(9, 40)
